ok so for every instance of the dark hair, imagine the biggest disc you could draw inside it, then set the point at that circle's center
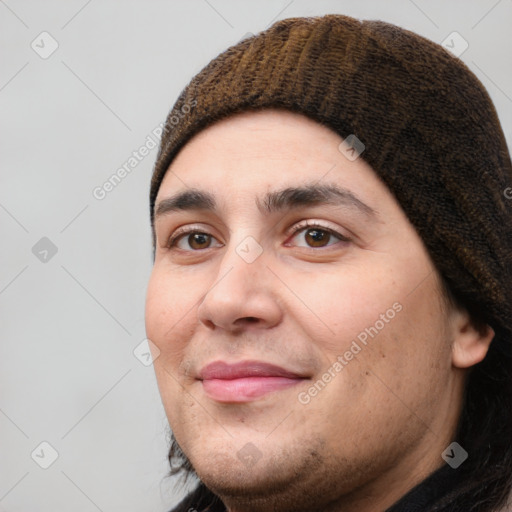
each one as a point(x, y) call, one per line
point(485, 424)
point(484, 429)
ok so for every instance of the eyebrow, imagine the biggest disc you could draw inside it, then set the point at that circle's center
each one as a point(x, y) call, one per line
point(276, 201)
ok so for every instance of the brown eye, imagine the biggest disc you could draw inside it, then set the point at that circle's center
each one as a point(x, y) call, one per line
point(191, 241)
point(317, 237)
point(199, 240)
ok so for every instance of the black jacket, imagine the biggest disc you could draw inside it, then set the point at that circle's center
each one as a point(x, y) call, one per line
point(418, 499)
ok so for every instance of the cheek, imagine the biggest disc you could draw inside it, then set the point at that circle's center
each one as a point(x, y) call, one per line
point(169, 315)
point(400, 361)
point(168, 327)
point(338, 304)
point(387, 306)
point(406, 348)
point(419, 342)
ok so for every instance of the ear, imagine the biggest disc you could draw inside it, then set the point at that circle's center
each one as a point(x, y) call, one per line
point(470, 344)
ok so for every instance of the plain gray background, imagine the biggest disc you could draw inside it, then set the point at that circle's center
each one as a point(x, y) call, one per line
point(70, 321)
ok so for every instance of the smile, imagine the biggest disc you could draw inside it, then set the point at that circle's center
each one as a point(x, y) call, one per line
point(245, 381)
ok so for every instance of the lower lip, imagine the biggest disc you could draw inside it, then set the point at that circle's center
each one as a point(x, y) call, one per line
point(245, 389)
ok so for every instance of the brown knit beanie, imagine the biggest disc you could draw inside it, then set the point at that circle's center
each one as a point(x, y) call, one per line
point(428, 126)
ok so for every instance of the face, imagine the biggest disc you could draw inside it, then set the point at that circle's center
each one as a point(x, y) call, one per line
point(304, 349)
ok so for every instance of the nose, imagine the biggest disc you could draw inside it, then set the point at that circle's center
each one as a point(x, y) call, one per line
point(242, 294)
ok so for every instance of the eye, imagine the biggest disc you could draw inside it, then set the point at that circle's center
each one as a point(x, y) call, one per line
point(196, 240)
point(317, 235)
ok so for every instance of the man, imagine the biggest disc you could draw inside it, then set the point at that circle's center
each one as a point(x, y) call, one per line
point(331, 294)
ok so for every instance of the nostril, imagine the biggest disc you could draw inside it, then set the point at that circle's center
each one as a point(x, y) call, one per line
point(248, 320)
point(209, 324)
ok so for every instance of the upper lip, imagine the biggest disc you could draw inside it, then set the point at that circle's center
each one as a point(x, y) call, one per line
point(227, 371)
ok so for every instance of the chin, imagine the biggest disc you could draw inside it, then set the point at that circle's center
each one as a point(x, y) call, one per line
point(239, 469)
point(246, 485)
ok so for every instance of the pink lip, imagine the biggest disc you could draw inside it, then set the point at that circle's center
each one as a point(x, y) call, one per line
point(245, 381)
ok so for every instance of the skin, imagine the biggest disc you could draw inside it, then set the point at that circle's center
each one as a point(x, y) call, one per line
point(379, 426)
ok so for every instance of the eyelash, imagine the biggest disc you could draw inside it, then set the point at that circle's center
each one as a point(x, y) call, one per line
point(296, 229)
point(312, 224)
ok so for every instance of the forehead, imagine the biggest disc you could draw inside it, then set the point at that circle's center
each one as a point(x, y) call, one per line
point(264, 150)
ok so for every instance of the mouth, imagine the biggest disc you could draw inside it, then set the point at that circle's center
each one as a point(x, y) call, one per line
point(245, 381)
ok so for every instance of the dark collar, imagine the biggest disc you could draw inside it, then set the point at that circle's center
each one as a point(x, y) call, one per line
point(420, 498)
